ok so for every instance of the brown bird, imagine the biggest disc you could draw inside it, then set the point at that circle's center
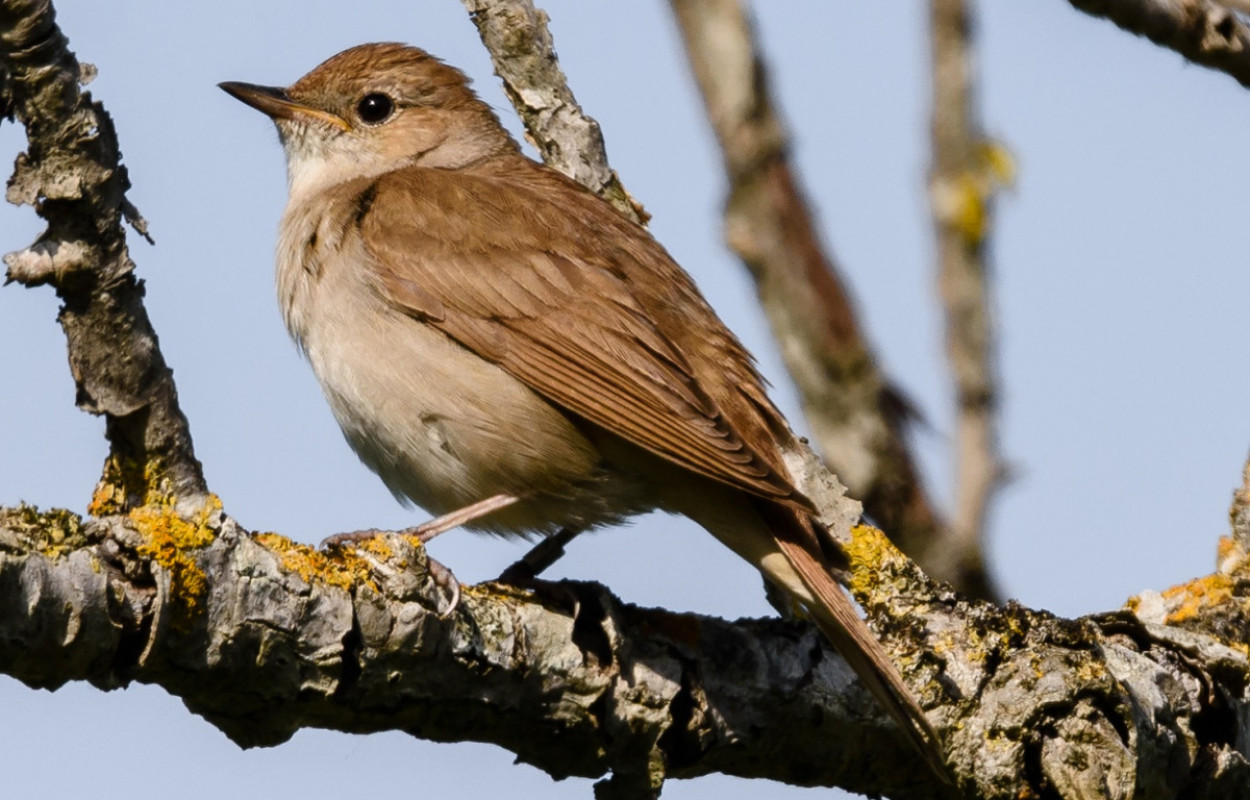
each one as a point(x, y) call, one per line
point(493, 337)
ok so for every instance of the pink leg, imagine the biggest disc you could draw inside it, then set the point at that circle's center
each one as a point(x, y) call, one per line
point(428, 530)
point(461, 516)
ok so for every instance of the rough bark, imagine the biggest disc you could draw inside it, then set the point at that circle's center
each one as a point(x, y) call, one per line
point(72, 175)
point(515, 33)
point(262, 637)
point(1203, 31)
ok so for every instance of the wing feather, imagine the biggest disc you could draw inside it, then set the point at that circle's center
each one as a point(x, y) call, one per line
point(571, 320)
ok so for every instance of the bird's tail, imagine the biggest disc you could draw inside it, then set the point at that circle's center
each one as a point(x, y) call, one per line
point(797, 555)
point(837, 619)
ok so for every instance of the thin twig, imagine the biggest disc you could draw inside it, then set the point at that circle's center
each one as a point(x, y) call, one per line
point(516, 35)
point(961, 184)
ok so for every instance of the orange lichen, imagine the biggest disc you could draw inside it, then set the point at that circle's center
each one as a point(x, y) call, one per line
point(107, 499)
point(1231, 557)
point(1227, 547)
point(341, 568)
point(1188, 599)
point(169, 540)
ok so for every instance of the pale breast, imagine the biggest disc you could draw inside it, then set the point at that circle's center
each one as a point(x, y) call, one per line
point(440, 425)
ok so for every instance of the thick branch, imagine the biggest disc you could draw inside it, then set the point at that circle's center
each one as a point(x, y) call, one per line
point(961, 185)
point(1203, 31)
point(71, 173)
point(263, 637)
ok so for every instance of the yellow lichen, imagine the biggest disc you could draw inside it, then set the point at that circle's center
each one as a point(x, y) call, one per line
point(971, 215)
point(871, 554)
point(341, 567)
point(1188, 599)
point(168, 541)
point(126, 484)
point(52, 533)
point(966, 200)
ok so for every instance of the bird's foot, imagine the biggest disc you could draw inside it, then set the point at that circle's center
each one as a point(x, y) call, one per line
point(442, 576)
point(445, 580)
point(352, 538)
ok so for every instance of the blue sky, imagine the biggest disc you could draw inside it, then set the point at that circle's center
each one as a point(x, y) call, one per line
point(1121, 294)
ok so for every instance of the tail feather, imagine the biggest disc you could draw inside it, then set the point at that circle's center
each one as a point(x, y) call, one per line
point(798, 556)
point(841, 625)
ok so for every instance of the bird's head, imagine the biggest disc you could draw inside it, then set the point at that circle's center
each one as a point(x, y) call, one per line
point(373, 109)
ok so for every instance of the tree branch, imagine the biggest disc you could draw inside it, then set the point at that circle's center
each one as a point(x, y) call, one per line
point(1203, 31)
point(262, 637)
point(71, 173)
point(856, 416)
point(516, 35)
point(962, 182)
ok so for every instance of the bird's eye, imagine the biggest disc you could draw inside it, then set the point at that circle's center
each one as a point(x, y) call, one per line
point(374, 108)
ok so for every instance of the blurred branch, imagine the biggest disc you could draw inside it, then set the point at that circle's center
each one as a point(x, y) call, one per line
point(1203, 31)
point(263, 637)
point(71, 173)
point(857, 418)
point(516, 35)
point(965, 172)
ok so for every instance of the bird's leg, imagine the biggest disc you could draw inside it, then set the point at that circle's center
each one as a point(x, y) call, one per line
point(539, 557)
point(440, 574)
point(461, 516)
point(428, 530)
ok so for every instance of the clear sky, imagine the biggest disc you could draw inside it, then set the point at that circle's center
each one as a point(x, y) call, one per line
point(1120, 273)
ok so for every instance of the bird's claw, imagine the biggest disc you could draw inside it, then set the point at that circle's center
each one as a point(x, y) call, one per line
point(438, 572)
point(340, 540)
point(445, 580)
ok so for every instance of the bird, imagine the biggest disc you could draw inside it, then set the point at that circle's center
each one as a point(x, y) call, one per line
point(506, 350)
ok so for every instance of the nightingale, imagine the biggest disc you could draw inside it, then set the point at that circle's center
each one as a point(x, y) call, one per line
point(502, 347)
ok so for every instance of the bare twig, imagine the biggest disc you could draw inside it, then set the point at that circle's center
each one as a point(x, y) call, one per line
point(1203, 31)
point(71, 173)
point(515, 32)
point(962, 180)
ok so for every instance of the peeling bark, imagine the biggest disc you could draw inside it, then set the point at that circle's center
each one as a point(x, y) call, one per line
point(71, 173)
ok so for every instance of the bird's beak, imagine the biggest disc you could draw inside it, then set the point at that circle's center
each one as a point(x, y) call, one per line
point(275, 102)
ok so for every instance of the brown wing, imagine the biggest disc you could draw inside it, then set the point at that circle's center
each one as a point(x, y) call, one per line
point(553, 296)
